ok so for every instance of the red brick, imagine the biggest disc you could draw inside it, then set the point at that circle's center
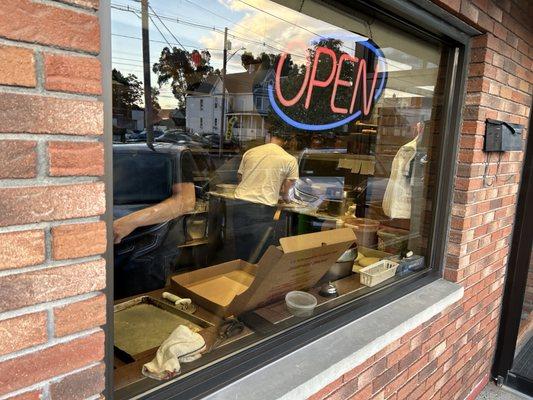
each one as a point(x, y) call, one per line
point(32, 395)
point(18, 159)
point(81, 385)
point(29, 21)
point(417, 366)
point(405, 390)
point(354, 373)
point(395, 384)
point(369, 374)
point(76, 158)
point(50, 115)
point(327, 390)
point(72, 74)
point(78, 240)
point(382, 379)
point(469, 11)
point(80, 316)
point(23, 205)
point(20, 290)
point(22, 332)
point(363, 394)
point(453, 5)
point(17, 66)
point(20, 249)
point(35, 367)
point(398, 354)
point(345, 391)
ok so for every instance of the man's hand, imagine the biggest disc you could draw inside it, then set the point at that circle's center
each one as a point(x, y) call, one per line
point(121, 229)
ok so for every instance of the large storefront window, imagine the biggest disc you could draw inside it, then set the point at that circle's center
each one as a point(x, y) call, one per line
point(272, 161)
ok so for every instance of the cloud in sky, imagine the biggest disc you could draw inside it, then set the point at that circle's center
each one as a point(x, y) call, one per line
point(271, 29)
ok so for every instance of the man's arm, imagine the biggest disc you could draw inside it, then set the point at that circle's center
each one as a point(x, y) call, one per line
point(288, 183)
point(286, 189)
point(242, 167)
point(182, 201)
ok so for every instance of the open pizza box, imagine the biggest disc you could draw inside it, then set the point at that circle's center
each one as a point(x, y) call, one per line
point(237, 286)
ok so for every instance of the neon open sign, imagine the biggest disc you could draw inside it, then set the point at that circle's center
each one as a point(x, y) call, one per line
point(367, 92)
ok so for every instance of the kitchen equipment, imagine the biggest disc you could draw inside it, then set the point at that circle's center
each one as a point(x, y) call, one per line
point(392, 240)
point(226, 188)
point(196, 226)
point(378, 272)
point(185, 305)
point(230, 328)
point(329, 290)
point(343, 267)
point(365, 229)
point(144, 322)
point(334, 207)
point(300, 304)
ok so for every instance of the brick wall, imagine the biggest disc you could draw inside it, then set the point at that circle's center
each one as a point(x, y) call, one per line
point(51, 201)
point(448, 356)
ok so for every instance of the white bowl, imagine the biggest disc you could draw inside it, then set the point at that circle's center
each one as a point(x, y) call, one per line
point(300, 304)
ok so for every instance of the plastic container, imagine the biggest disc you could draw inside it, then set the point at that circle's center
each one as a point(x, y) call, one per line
point(377, 272)
point(392, 240)
point(300, 304)
point(365, 229)
point(196, 227)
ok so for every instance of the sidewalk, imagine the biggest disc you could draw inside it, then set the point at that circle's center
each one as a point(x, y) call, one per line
point(493, 392)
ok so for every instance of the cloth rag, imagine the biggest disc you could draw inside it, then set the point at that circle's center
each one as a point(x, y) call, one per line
point(183, 345)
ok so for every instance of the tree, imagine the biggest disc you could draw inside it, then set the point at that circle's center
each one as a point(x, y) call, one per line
point(182, 69)
point(127, 92)
point(155, 103)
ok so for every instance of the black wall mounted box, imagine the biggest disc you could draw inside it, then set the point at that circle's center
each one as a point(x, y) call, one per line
point(502, 136)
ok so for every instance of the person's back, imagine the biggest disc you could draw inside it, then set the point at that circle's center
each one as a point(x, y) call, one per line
point(263, 170)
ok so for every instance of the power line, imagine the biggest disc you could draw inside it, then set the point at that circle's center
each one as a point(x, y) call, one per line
point(292, 23)
point(220, 31)
point(281, 19)
point(162, 23)
point(246, 28)
point(206, 27)
point(161, 33)
point(160, 41)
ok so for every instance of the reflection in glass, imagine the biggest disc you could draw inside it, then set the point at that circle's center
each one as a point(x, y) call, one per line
point(293, 151)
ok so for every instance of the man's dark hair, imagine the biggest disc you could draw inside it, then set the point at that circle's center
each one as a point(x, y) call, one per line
point(283, 136)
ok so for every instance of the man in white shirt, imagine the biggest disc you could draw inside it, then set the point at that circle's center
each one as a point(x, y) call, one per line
point(266, 172)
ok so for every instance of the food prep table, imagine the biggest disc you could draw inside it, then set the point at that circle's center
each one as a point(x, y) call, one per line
point(258, 324)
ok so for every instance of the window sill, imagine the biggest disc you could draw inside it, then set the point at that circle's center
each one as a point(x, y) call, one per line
point(304, 372)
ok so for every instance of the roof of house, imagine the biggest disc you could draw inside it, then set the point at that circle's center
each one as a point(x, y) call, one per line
point(204, 87)
point(240, 82)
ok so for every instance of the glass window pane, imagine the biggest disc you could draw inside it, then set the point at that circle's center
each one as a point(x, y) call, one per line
point(291, 147)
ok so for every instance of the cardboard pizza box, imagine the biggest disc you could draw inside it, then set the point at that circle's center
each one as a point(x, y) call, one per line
point(237, 286)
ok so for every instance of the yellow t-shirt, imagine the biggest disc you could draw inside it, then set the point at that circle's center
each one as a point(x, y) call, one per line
point(263, 170)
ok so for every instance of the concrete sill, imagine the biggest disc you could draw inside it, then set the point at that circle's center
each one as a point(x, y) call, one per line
point(310, 368)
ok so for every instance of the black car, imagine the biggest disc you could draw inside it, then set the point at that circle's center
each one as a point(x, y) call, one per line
point(141, 178)
point(138, 137)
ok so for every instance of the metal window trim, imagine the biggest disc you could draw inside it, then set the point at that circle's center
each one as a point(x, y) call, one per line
point(105, 55)
point(414, 15)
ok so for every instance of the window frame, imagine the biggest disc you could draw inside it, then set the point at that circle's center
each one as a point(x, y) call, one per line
point(420, 17)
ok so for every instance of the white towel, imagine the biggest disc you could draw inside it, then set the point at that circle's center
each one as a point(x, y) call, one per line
point(183, 345)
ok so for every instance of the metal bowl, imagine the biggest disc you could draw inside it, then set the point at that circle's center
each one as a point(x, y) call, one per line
point(343, 267)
